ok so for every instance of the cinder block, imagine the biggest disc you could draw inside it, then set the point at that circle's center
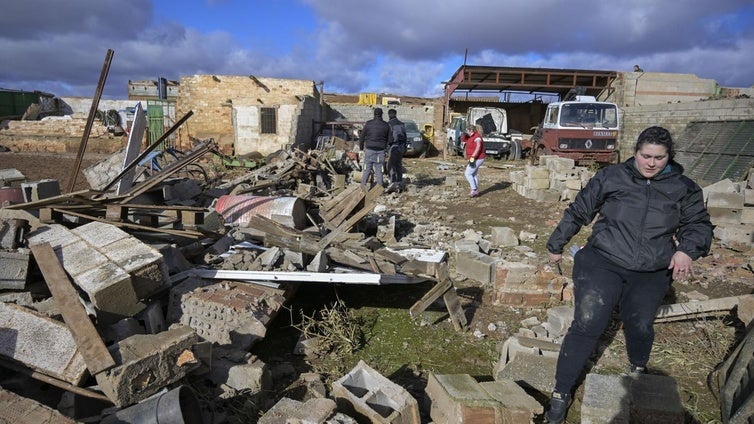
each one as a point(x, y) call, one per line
point(459, 398)
point(732, 233)
point(749, 196)
point(559, 164)
point(538, 183)
point(143, 263)
point(724, 215)
point(371, 397)
point(545, 196)
point(476, 266)
point(725, 200)
point(231, 313)
point(147, 363)
point(39, 190)
point(40, 343)
point(14, 267)
point(747, 216)
point(573, 184)
point(537, 172)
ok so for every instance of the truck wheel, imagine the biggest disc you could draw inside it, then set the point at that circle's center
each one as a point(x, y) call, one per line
point(515, 151)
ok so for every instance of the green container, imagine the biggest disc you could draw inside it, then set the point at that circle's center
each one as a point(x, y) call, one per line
point(13, 103)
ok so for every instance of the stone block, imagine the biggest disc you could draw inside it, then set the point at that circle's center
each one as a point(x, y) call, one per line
point(504, 237)
point(466, 245)
point(14, 267)
point(231, 313)
point(40, 343)
point(530, 371)
point(459, 398)
point(371, 397)
point(732, 234)
point(573, 184)
point(725, 200)
point(559, 164)
point(476, 266)
point(147, 363)
point(538, 183)
point(546, 196)
point(511, 274)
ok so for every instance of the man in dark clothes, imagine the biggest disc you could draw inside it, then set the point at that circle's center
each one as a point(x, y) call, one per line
point(397, 147)
point(373, 142)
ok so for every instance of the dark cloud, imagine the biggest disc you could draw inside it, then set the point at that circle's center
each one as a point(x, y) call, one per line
point(387, 46)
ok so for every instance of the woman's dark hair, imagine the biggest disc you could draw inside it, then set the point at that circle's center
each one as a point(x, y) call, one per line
point(656, 135)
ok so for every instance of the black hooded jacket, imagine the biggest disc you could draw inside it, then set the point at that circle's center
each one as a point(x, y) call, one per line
point(375, 134)
point(638, 217)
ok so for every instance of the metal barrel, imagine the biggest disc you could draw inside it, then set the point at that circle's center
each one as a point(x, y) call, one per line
point(237, 210)
point(177, 406)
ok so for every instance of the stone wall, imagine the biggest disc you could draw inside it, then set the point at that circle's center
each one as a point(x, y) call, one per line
point(58, 134)
point(675, 117)
point(652, 88)
point(228, 109)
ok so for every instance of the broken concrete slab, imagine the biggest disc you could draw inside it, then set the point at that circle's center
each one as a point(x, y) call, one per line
point(458, 398)
point(251, 375)
point(231, 313)
point(517, 406)
point(147, 363)
point(23, 332)
point(530, 371)
point(365, 393)
point(12, 232)
point(314, 411)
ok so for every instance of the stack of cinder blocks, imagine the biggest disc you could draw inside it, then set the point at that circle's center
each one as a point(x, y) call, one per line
point(731, 208)
point(554, 179)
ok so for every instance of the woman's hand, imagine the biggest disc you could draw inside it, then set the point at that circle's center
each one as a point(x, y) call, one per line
point(681, 264)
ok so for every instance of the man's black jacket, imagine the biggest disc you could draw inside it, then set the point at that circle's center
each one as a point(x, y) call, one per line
point(375, 135)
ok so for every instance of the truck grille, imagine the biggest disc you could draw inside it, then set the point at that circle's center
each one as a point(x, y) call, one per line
point(581, 143)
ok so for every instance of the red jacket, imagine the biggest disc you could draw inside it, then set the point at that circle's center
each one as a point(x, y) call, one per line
point(474, 145)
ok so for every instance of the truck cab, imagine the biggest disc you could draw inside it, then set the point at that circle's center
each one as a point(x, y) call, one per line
point(582, 129)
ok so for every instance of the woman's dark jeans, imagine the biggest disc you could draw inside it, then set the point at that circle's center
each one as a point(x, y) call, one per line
point(599, 285)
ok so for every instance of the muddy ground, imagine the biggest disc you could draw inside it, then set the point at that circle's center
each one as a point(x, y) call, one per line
point(433, 214)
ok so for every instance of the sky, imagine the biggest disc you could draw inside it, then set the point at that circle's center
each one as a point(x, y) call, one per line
point(407, 47)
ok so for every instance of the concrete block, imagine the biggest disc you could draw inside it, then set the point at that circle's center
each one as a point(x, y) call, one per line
point(147, 363)
point(270, 257)
point(731, 234)
point(517, 177)
point(511, 274)
point(319, 263)
point(476, 266)
point(722, 186)
point(530, 371)
point(143, 263)
point(289, 410)
point(546, 196)
point(14, 267)
point(573, 184)
point(725, 200)
point(504, 237)
point(466, 245)
point(459, 398)
point(606, 400)
point(538, 183)
point(374, 398)
point(40, 343)
point(559, 318)
point(39, 190)
point(747, 216)
point(252, 375)
point(517, 406)
point(749, 196)
point(559, 164)
point(724, 215)
point(537, 172)
point(178, 294)
point(655, 399)
point(231, 313)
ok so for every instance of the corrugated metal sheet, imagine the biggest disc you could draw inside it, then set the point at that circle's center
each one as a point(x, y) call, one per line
point(714, 150)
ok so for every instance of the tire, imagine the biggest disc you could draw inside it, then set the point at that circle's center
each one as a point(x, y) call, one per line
point(515, 151)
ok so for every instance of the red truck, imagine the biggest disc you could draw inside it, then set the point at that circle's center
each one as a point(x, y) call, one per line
point(582, 129)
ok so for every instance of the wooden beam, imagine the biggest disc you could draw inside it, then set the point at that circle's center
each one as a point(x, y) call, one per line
point(93, 350)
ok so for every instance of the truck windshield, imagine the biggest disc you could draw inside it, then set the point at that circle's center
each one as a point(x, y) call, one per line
point(589, 115)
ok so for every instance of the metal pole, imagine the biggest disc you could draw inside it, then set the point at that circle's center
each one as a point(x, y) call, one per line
point(90, 119)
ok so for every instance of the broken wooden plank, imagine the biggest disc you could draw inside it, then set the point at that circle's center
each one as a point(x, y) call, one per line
point(181, 233)
point(688, 310)
point(433, 294)
point(455, 311)
point(93, 350)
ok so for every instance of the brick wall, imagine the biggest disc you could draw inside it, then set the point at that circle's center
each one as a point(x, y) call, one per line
point(227, 108)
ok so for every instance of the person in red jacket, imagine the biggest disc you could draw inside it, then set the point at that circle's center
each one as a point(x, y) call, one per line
point(475, 155)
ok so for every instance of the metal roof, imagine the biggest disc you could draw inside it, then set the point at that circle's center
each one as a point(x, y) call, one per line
point(714, 150)
point(532, 80)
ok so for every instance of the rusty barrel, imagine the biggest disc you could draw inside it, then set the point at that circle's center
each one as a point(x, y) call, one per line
point(237, 210)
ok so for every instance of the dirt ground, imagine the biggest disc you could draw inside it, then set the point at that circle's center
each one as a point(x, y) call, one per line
point(405, 350)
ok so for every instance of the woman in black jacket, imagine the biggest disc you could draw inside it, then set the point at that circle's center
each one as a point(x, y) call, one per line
point(652, 224)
